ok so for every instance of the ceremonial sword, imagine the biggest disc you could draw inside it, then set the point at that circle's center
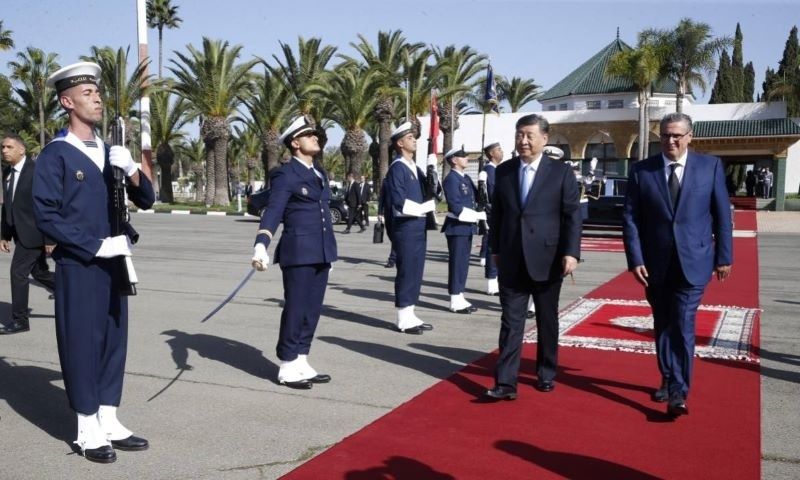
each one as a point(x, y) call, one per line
point(230, 297)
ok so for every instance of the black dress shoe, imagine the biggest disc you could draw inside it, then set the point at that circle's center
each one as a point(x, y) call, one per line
point(677, 406)
point(426, 327)
point(530, 314)
point(501, 392)
point(411, 331)
point(545, 385)
point(298, 385)
point(661, 395)
point(362, 230)
point(466, 310)
point(14, 327)
point(389, 264)
point(346, 231)
point(104, 454)
point(131, 444)
point(320, 378)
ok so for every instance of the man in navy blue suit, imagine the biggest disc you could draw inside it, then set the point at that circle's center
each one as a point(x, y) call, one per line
point(405, 210)
point(459, 227)
point(535, 237)
point(494, 153)
point(299, 199)
point(73, 203)
point(678, 233)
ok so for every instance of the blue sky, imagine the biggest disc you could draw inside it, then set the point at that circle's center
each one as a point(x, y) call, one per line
point(543, 40)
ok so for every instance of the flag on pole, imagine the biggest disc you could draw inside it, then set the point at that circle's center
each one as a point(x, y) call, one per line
point(491, 91)
point(433, 136)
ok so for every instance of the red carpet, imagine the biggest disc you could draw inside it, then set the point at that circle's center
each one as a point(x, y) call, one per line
point(599, 423)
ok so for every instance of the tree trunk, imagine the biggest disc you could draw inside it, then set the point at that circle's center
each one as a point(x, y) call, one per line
point(679, 96)
point(375, 155)
point(198, 182)
point(221, 183)
point(646, 147)
point(643, 136)
point(165, 157)
point(383, 114)
point(353, 147)
point(160, 49)
point(41, 122)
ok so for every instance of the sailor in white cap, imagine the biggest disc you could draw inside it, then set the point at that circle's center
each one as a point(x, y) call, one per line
point(405, 216)
point(299, 199)
point(494, 154)
point(73, 207)
point(459, 227)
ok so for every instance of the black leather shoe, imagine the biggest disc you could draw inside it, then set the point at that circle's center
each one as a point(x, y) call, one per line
point(104, 454)
point(530, 314)
point(346, 231)
point(545, 385)
point(320, 378)
point(466, 310)
point(411, 331)
point(501, 392)
point(677, 406)
point(426, 327)
point(299, 385)
point(14, 327)
point(661, 395)
point(131, 444)
point(389, 264)
point(362, 230)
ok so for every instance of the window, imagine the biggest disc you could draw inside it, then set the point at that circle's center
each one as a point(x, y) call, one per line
point(615, 104)
point(652, 103)
point(562, 106)
point(551, 108)
point(593, 105)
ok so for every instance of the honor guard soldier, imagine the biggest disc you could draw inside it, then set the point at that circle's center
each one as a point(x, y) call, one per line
point(459, 227)
point(494, 153)
point(299, 198)
point(73, 202)
point(405, 213)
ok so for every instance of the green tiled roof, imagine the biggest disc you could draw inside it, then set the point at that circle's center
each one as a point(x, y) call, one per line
point(746, 128)
point(591, 79)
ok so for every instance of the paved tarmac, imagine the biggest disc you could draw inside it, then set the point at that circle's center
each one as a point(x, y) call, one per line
point(204, 393)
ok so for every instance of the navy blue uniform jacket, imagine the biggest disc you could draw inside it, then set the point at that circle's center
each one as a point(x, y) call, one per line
point(72, 201)
point(401, 185)
point(300, 200)
point(460, 193)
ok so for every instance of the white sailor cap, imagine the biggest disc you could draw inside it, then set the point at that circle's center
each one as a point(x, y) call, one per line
point(301, 124)
point(75, 74)
point(553, 152)
point(455, 152)
point(488, 148)
point(403, 129)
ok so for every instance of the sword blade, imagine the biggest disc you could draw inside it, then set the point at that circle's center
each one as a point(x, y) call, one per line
point(230, 297)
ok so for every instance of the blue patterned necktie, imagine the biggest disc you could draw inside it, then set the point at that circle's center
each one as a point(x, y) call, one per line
point(527, 181)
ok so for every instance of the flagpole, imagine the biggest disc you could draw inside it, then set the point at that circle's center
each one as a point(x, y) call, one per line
point(481, 159)
point(408, 113)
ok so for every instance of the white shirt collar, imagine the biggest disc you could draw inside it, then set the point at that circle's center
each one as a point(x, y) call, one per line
point(534, 164)
point(681, 161)
point(19, 165)
point(96, 155)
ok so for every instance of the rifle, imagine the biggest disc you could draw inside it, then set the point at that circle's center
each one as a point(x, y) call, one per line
point(433, 190)
point(483, 202)
point(120, 218)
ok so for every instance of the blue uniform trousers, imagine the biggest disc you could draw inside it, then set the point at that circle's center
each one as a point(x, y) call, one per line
point(458, 247)
point(92, 334)
point(409, 245)
point(303, 292)
point(674, 303)
point(490, 269)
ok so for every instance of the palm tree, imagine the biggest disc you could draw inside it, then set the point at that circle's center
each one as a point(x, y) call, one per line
point(166, 120)
point(117, 84)
point(212, 82)
point(421, 79)
point(517, 91)
point(458, 75)
point(352, 91)
point(392, 52)
point(194, 151)
point(300, 71)
point(642, 67)
point(32, 69)
point(160, 14)
point(269, 108)
point(6, 42)
point(688, 54)
point(246, 143)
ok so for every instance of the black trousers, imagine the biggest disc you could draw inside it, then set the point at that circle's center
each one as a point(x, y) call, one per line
point(353, 214)
point(514, 301)
point(27, 261)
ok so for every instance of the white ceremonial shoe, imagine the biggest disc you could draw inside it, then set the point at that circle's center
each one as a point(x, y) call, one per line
point(406, 319)
point(110, 425)
point(90, 435)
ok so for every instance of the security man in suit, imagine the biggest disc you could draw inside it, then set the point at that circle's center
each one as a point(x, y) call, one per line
point(406, 212)
point(351, 197)
point(459, 227)
point(494, 153)
point(535, 236)
point(18, 223)
point(73, 204)
point(678, 232)
point(307, 247)
point(364, 195)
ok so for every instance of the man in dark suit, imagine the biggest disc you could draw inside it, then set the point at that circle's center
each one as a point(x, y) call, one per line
point(351, 198)
point(307, 247)
point(364, 195)
point(678, 233)
point(494, 155)
point(535, 238)
point(19, 224)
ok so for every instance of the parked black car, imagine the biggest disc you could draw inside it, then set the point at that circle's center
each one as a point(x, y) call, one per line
point(606, 201)
point(256, 203)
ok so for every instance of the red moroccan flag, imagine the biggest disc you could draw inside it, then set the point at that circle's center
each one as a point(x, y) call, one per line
point(433, 137)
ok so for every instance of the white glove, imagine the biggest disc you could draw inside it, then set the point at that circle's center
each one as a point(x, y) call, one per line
point(121, 157)
point(260, 259)
point(482, 176)
point(114, 247)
